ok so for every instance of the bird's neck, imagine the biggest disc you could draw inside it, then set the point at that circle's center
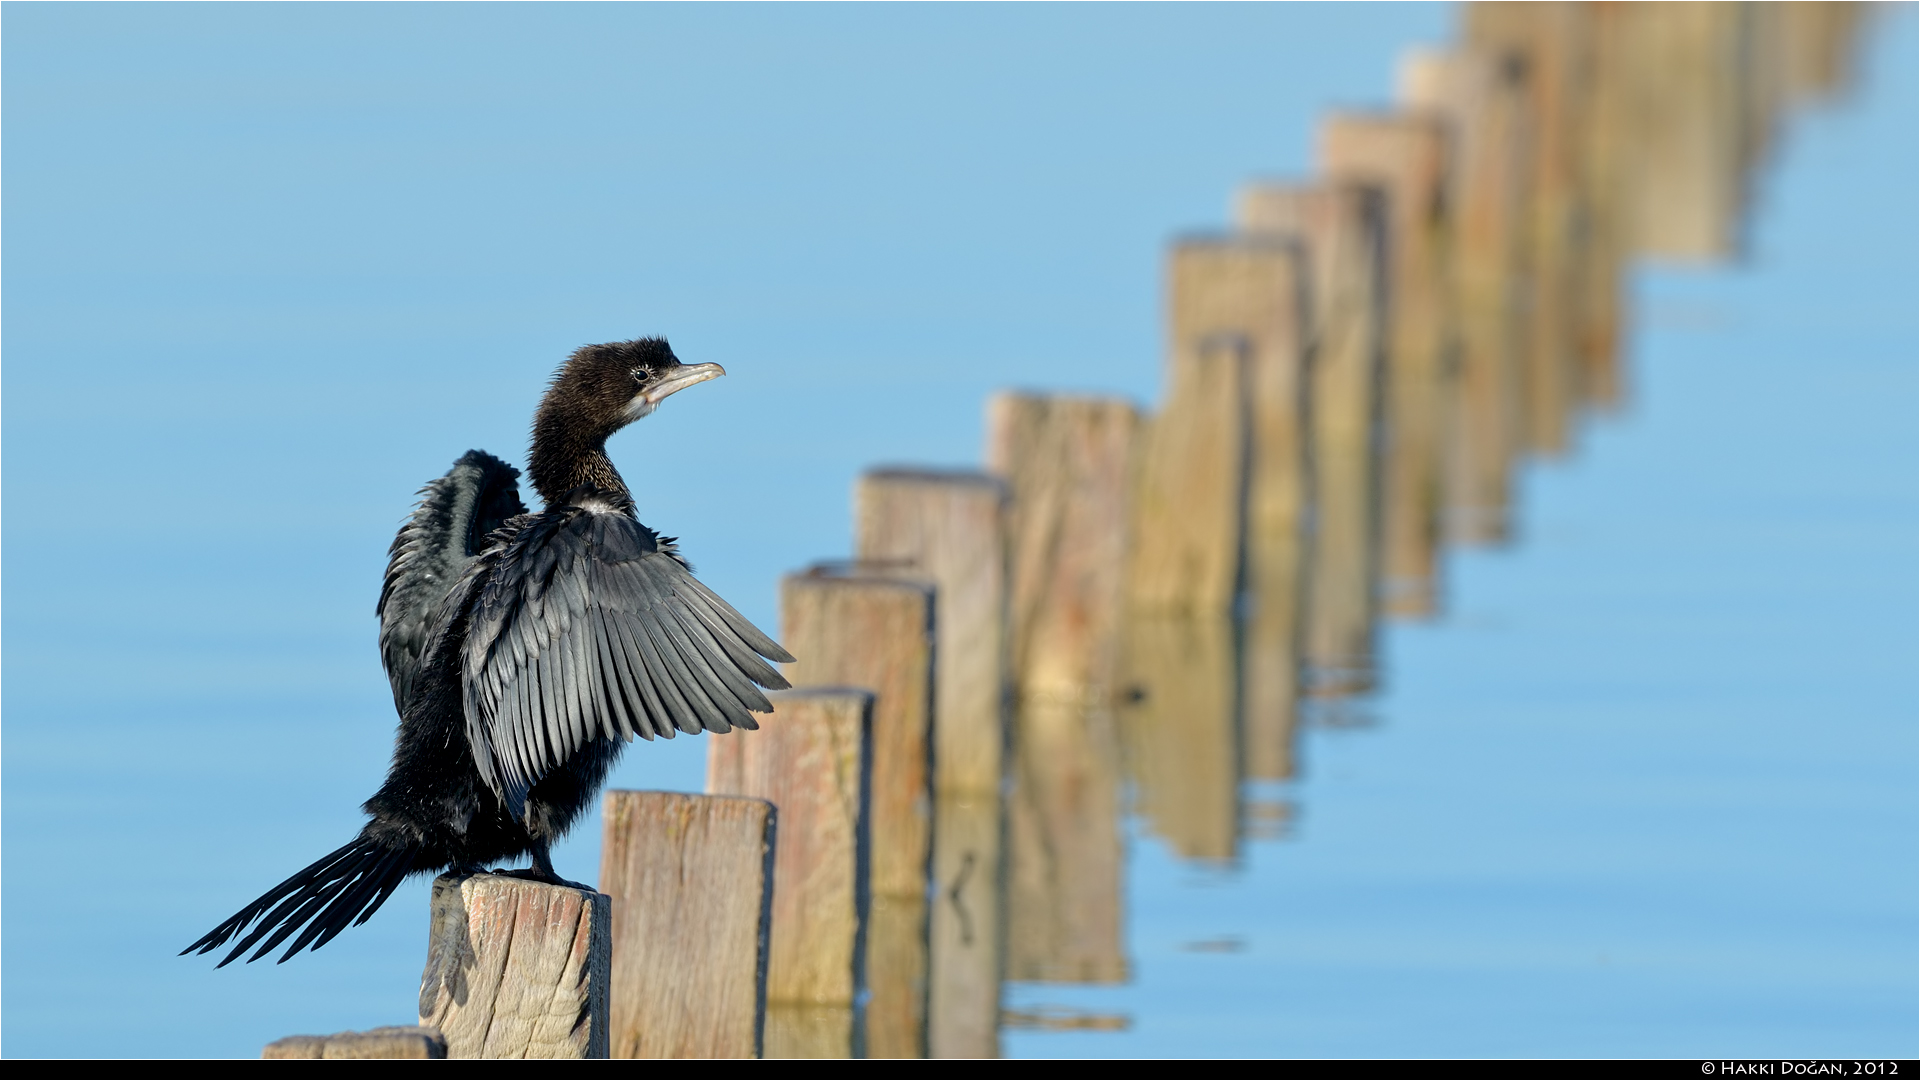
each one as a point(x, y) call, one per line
point(558, 465)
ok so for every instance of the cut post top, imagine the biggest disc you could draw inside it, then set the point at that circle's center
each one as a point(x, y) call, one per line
point(892, 575)
point(920, 474)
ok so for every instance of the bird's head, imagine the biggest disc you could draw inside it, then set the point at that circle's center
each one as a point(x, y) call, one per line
point(603, 388)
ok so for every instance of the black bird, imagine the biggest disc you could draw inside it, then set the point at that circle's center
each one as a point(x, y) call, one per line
point(524, 651)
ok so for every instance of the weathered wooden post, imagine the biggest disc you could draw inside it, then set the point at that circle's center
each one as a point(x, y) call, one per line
point(950, 528)
point(691, 877)
point(853, 628)
point(1177, 723)
point(812, 760)
point(1067, 463)
point(1343, 225)
point(517, 968)
point(1254, 291)
point(1404, 154)
point(1482, 100)
point(1223, 471)
point(382, 1042)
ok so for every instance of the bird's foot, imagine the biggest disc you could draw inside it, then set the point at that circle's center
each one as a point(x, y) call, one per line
point(534, 873)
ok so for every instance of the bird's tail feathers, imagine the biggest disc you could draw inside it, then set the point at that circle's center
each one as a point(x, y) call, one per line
point(340, 890)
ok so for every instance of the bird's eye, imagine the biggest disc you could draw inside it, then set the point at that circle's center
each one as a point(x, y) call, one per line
point(641, 374)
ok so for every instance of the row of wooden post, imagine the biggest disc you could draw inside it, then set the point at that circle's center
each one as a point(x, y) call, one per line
point(1120, 601)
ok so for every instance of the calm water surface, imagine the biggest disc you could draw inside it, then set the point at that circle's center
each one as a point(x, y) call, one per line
point(1647, 787)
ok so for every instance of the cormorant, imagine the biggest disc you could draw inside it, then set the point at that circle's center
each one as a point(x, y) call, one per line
point(524, 650)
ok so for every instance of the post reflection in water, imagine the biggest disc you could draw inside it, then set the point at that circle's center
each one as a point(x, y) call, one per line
point(1352, 378)
point(1067, 463)
point(948, 528)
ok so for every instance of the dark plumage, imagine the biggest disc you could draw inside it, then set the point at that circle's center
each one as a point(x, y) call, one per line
point(524, 651)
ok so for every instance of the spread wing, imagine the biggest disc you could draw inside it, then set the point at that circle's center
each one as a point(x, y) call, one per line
point(589, 626)
point(434, 547)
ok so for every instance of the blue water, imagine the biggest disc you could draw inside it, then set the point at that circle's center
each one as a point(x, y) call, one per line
point(1648, 788)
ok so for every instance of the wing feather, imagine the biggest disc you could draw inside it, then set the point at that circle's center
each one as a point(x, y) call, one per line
point(748, 632)
point(712, 657)
point(673, 705)
point(737, 650)
point(627, 650)
point(611, 683)
point(583, 721)
point(709, 683)
point(573, 722)
point(589, 627)
point(700, 713)
point(433, 548)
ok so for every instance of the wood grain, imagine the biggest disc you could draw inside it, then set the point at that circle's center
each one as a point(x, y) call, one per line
point(851, 628)
point(517, 968)
point(691, 877)
point(811, 759)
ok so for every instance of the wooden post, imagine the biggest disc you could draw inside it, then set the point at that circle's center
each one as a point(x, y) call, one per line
point(691, 877)
point(1343, 227)
point(852, 628)
point(1254, 290)
point(950, 528)
point(1224, 473)
point(1067, 463)
point(517, 968)
point(381, 1042)
point(1190, 503)
point(812, 759)
point(1482, 100)
point(1404, 154)
point(1220, 480)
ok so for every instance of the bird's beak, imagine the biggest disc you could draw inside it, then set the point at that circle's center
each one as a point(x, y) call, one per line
point(682, 378)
